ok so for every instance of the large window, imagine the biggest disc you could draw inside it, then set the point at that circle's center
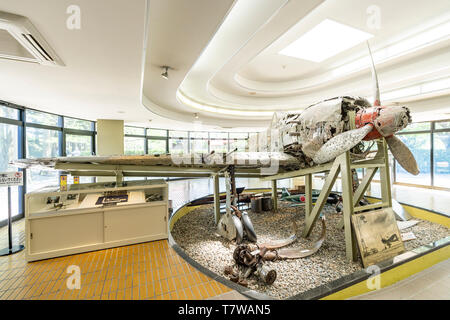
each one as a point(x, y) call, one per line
point(42, 118)
point(441, 156)
point(78, 145)
point(9, 147)
point(41, 143)
point(71, 123)
point(134, 146)
point(420, 146)
point(429, 142)
point(156, 146)
point(199, 142)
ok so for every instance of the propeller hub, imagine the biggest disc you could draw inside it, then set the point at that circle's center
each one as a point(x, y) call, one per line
point(385, 120)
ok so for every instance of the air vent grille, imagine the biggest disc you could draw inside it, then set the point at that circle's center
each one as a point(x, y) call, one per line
point(37, 46)
point(21, 41)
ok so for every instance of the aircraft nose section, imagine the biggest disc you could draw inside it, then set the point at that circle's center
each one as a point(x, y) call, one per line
point(392, 120)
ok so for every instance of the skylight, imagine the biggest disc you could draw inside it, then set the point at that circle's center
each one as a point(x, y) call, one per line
point(324, 41)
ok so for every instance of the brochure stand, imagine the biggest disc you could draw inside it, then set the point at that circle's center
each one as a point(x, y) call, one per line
point(10, 179)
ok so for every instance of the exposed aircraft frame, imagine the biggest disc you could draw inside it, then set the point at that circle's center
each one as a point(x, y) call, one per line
point(342, 164)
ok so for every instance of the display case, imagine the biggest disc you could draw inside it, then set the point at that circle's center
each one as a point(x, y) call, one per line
point(94, 216)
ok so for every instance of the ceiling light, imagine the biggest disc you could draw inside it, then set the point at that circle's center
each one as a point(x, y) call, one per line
point(325, 40)
point(165, 74)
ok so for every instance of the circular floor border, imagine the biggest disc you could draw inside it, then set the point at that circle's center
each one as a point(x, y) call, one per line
point(312, 294)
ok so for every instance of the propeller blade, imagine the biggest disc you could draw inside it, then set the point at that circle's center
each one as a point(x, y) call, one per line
point(403, 155)
point(376, 86)
point(340, 144)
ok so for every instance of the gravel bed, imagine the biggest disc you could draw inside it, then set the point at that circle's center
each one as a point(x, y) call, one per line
point(196, 234)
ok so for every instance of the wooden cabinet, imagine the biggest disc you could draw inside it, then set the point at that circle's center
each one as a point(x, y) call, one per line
point(83, 225)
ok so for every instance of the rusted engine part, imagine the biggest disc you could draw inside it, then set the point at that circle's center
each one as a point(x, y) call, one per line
point(247, 224)
point(253, 264)
point(234, 276)
point(294, 253)
point(236, 225)
point(230, 225)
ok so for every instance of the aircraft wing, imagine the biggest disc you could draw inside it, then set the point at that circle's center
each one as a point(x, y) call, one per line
point(243, 160)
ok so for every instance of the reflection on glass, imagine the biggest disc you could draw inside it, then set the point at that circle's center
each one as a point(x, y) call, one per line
point(177, 146)
point(199, 146)
point(77, 145)
point(134, 131)
point(442, 159)
point(9, 113)
point(199, 135)
point(178, 134)
point(156, 133)
point(218, 135)
point(41, 178)
point(420, 146)
point(238, 135)
point(42, 118)
point(42, 143)
point(241, 145)
point(442, 125)
point(72, 123)
point(156, 146)
point(134, 146)
point(219, 146)
point(418, 126)
point(9, 152)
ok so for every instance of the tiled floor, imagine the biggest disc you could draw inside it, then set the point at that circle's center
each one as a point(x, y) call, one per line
point(149, 270)
point(153, 270)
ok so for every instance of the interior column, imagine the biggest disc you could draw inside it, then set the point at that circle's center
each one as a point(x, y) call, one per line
point(110, 140)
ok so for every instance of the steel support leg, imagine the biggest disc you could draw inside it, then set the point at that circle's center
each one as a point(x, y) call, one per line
point(328, 185)
point(385, 179)
point(216, 199)
point(347, 200)
point(275, 195)
point(308, 194)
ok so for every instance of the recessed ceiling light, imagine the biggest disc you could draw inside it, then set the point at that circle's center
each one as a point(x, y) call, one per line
point(325, 40)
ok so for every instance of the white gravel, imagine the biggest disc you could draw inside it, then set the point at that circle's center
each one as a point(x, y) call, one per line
point(196, 234)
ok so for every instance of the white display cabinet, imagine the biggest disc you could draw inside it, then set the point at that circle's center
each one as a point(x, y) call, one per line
point(94, 216)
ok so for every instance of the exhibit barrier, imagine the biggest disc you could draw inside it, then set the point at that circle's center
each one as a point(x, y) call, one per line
point(355, 284)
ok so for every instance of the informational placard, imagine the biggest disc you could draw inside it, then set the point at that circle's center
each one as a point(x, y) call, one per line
point(76, 180)
point(63, 182)
point(10, 179)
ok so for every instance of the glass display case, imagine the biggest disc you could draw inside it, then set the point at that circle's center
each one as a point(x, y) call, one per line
point(94, 216)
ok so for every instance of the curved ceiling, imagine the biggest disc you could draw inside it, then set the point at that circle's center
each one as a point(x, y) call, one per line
point(240, 74)
point(224, 55)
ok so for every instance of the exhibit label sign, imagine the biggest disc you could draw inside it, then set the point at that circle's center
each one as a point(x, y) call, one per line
point(9, 179)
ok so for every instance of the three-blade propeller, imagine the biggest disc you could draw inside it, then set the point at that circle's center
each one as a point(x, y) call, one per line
point(349, 139)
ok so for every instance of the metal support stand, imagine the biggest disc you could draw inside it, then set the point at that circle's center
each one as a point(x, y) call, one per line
point(216, 199)
point(275, 195)
point(11, 249)
point(119, 178)
point(308, 194)
point(228, 193)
